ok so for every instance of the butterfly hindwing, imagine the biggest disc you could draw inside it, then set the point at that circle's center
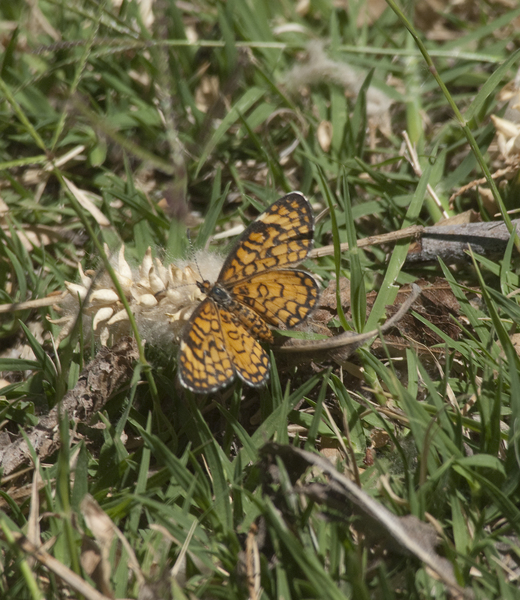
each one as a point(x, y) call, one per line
point(217, 346)
point(249, 359)
point(204, 362)
point(282, 298)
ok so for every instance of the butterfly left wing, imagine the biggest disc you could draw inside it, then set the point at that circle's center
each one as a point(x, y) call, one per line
point(216, 346)
point(204, 362)
point(282, 298)
point(280, 237)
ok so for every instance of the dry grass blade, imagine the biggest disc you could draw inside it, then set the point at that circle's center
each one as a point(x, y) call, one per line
point(70, 578)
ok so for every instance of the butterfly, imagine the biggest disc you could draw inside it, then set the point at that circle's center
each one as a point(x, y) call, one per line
point(254, 291)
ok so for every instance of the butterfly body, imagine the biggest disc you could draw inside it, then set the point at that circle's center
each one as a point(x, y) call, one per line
point(253, 291)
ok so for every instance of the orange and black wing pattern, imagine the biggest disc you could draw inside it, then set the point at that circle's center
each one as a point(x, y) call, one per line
point(204, 363)
point(215, 348)
point(256, 288)
point(281, 236)
point(282, 298)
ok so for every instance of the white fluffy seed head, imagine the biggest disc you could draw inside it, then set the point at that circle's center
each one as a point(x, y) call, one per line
point(161, 298)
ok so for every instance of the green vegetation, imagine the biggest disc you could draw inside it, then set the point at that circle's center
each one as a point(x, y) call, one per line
point(222, 107)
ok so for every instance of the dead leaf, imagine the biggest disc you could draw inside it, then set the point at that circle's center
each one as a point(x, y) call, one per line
point(406, 535)
point(207, 93)
point(95, 557)
point(63, 573)
point(324, 135)
point(83, 198)
point(341, 346)
point(468, 216)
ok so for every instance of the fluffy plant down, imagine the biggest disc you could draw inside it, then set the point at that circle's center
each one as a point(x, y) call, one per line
point(161, 296)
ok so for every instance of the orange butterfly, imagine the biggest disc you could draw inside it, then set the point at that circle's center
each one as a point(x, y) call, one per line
point(253, 290)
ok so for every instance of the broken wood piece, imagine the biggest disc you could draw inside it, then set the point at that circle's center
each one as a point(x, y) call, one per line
point(451, 242)
point(96, 384)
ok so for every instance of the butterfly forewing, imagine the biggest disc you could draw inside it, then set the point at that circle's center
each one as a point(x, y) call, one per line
point(280, 237)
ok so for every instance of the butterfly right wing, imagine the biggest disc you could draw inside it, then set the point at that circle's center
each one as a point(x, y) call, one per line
point(281, 298)
point(281, 236)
